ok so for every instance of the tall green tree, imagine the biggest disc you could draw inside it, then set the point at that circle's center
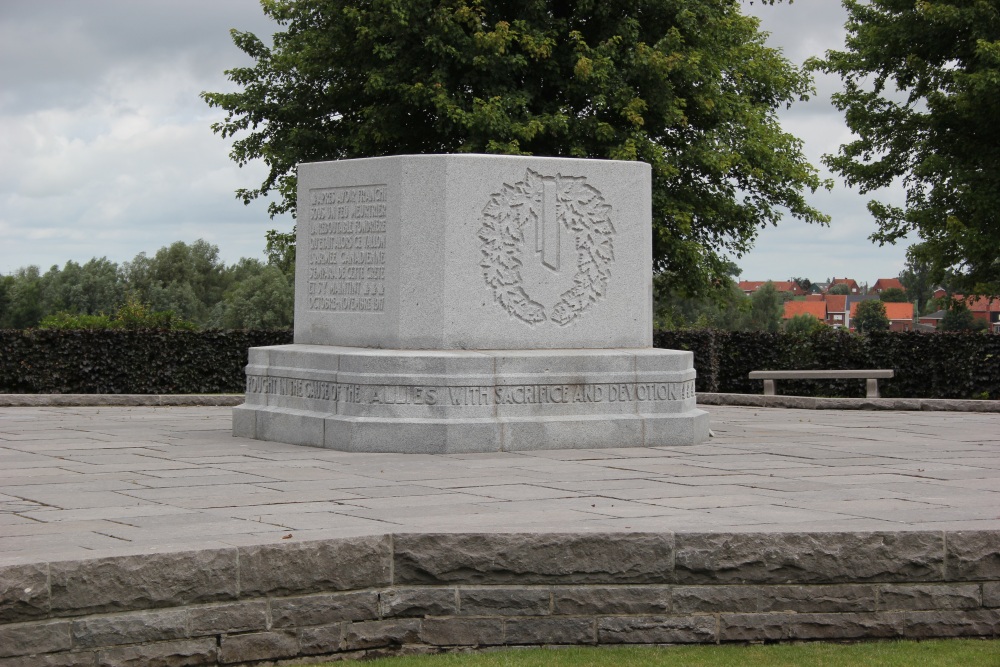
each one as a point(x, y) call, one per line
point(916, 278)
point(871, 316)
point(766, 309)
point(89, 289)
point(688, 86)
point(187, 280)
point(23, 299)
point(959, 318)
point(262, 298)
point(921, 94)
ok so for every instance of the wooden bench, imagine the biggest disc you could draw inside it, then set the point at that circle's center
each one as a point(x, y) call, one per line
point(871, 375)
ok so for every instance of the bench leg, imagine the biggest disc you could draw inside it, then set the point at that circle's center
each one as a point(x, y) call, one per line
point(872, 388)
point(769, 387)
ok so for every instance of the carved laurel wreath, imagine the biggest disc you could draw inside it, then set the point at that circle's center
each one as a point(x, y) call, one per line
point(580, 209)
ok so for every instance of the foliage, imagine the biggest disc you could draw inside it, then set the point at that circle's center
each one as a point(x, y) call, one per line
point(916, 278)
point(132, 314)
point(958, 317)
point(280, 250)
point(182, 278)
point(66, 320)
point(871, 316)
point(945, 365)
point(893, 295)
point(688, 86)
point(703, 343)
point(264, 300)
point(725, 307)
point(188, 281)
point(804, 324)
point(839, 288)
point(766, 309)
point(22, 302)
point(128, 361)
point(920, 89)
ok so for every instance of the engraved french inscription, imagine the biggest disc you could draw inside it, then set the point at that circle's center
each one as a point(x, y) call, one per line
point(347, 249)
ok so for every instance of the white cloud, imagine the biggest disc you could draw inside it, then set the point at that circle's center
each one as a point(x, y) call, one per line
point(111, 149)
point(107, 149)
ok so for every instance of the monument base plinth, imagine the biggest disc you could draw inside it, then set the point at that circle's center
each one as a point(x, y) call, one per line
point(450, 401)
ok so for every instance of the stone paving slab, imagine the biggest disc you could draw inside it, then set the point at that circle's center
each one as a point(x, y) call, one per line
point(83, 482)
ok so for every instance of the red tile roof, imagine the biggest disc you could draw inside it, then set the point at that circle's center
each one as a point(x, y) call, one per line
point(851, 283)
point(815, 308)
point(780, 285)
point(836, 303)
point(886, 283)
point(894, 311)
point(982, 304)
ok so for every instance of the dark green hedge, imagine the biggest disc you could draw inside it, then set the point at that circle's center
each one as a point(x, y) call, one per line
point(941, 365)
point(50, 361)
point(944, 365)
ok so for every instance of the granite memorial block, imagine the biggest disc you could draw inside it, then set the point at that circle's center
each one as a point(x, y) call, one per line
point(457, 303)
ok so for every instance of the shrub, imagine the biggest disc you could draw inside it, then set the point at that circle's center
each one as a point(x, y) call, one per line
point(952, 365)
point(119, 361)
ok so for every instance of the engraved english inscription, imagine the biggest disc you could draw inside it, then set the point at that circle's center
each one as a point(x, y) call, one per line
point(518, 394)
point(347, 247)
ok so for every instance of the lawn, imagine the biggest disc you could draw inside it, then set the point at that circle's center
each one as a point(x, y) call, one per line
point(932, 653)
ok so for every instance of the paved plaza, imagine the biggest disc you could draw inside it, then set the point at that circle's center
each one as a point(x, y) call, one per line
point(86, 482)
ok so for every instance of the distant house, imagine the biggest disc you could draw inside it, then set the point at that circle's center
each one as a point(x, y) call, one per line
point(900, 314)
point(837, 312)
point(983, 308)
point(883, 284)
point(751, 286)
point(986, 309)
point(852, 285)
point(819, 288)
point(815, 308)
point(933, 319)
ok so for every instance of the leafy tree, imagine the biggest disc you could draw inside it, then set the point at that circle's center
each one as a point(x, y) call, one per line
point(725, 307)
point(804, 324)
point(893, 295)
point(916, 278)
point(688, 86)
point(263, 298)
point(920, 92)
point(766, 309)
point(93, 288)
point(959, 318)
point(23, 300)
point(280, 251)
point(871, 316)
point(839, 288)
point(186, 279)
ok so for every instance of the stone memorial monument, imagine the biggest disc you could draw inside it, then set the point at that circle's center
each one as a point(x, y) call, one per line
point(472, 303)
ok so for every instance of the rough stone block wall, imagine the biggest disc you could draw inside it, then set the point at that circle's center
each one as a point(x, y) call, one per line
point(369, 596)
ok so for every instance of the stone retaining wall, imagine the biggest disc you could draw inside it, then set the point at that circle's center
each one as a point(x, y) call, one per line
point(365, 596)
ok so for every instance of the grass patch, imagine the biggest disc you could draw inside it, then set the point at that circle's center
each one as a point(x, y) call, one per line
point(930, 653)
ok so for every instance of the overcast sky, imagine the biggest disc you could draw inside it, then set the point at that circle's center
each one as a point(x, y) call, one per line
point(106, 149)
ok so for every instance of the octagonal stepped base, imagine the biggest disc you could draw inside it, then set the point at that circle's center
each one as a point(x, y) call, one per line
point(449, 401)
